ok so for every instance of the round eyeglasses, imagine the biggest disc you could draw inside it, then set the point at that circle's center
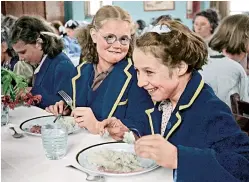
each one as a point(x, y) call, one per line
point(111, 38)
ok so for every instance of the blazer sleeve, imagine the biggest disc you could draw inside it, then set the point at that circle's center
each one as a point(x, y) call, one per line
point(226, 158)
point(138, 101)
point(63, 74)
point(63, 78)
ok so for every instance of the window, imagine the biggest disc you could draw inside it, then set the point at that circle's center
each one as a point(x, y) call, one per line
point(238, 7)
point(91, 7)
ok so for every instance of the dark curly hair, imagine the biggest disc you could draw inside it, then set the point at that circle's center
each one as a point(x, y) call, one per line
point(141, 24)
point(212, 17)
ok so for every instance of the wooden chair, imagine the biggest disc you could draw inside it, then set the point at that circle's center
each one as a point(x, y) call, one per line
point(240, 111)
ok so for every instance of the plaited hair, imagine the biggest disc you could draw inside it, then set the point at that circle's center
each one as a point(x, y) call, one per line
point(89, 51)
point(180, 44)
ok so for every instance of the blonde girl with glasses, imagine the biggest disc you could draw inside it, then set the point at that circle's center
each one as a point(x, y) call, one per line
point(105, 84)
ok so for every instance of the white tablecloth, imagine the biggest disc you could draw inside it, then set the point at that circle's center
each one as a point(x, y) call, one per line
point(23, 159)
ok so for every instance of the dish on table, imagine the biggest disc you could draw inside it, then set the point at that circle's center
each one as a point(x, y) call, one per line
point(33, 126)
point(113, 159)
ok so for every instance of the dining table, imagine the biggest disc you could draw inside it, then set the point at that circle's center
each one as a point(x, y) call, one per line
point(23, 159)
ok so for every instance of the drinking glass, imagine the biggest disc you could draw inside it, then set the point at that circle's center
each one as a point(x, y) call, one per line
point(4, 115)
point(54, 139)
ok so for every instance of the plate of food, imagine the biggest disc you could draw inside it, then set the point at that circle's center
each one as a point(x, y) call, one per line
point(113, 159)
point(33, 126)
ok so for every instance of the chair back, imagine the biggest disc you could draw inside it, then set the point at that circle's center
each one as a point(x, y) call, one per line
point(240, 111)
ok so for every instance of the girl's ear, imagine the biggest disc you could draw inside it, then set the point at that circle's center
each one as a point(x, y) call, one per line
point(93, 35)
point(182, 68)
point(38, 44)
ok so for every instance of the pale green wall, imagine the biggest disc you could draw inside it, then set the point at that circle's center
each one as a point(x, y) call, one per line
point(75, 10)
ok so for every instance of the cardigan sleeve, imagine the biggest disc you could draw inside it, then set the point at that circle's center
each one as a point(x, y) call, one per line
point(226, 158)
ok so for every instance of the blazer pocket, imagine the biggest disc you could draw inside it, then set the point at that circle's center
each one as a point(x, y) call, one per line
point(123, 103)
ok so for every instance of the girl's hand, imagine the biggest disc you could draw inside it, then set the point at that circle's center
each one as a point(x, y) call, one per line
point(58, 108)
point(85, 118)
point(115, 128)
point(155, 147)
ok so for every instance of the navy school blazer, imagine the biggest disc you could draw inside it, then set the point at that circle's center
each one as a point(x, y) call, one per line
point(211, 146)
point(54, 75)
point(118, 95)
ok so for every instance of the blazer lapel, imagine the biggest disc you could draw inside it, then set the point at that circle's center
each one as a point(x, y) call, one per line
point(119, 80)
point(156, 116)
point(172, 122)
point(42, 72)
point(80, 84)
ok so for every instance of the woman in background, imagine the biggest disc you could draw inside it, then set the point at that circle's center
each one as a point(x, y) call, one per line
point(205, 23)
point(106, 82)
point(198, 130)
point(35, 42)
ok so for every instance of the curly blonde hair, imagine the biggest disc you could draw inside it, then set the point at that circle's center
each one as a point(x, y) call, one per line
point(89, 51)
point(179, 44)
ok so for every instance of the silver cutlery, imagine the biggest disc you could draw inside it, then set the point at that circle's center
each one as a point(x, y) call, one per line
point(66, 98)
point(88, 176)
point(59, 115)
point(135, 131)
point(16, 135)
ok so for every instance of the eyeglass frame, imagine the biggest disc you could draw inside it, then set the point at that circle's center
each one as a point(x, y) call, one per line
point(116, 38)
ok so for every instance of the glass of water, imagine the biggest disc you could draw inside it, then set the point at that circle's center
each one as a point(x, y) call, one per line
point(4, 115)
point(54, 140)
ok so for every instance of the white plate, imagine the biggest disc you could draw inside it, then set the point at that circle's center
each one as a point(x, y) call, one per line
point(43, 120)
point(82, 159)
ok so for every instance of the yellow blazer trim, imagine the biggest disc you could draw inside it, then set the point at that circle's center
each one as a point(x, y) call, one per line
point(148, 112)
point(197, 92)
point(123, 103)
point(175, 125)
point(123, 89)
point(74, 82)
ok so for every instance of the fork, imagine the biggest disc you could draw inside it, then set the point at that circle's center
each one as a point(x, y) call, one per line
point(134, 130)
point(60, 115)
point(66, 98)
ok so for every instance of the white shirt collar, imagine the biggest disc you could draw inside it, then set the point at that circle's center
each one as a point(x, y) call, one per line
point(39, 67)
